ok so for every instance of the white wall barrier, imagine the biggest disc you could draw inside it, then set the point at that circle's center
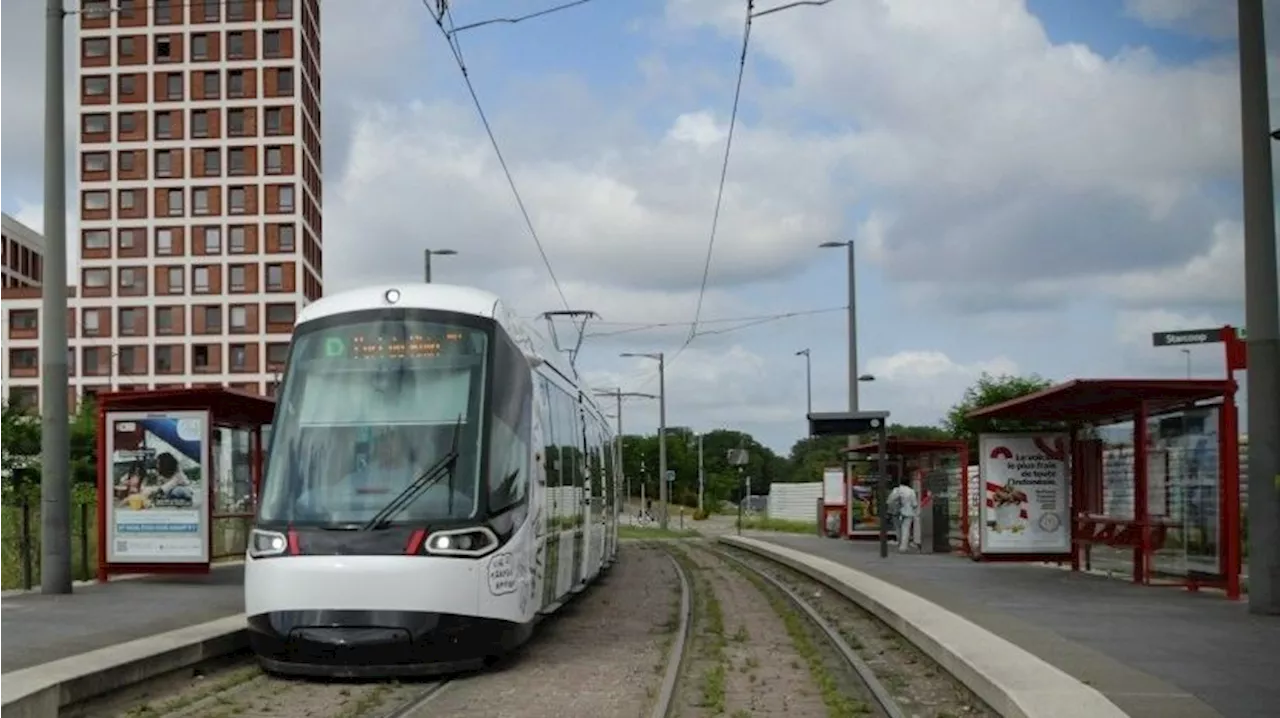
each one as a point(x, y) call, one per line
point(794, 502)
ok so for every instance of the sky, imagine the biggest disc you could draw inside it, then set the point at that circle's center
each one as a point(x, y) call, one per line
point(1031, 186)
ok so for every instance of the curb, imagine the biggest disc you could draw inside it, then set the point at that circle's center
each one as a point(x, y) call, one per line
point(126, 577)
point(1012, 681)
point(43, 690)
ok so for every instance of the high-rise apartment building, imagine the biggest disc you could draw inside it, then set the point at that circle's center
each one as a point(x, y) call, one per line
point(199, 202)
point(23, 253)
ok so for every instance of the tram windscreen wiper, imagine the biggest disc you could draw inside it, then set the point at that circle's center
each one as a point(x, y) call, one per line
point(437, 471)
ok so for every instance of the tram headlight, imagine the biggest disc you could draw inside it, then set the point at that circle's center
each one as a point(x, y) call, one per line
point(263, 544)
point(469, 542)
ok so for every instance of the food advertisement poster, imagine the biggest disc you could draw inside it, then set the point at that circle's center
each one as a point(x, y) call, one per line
point(158, 510)
point(1027, 487)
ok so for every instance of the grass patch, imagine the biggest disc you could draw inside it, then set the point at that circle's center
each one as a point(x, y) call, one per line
point(790, 526)
point(226, 683)
point(645, 532)
point(839, 705)
point(711, 636)
point(367, 702)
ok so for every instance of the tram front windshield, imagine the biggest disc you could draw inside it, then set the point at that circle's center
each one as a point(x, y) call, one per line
point(366, 407)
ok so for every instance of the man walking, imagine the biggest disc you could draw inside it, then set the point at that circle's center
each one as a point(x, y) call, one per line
point(904, 502)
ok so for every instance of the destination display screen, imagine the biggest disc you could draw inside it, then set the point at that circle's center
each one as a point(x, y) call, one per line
point(367, 345)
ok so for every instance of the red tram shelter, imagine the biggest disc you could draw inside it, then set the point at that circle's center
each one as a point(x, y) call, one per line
point(1185, 513)
point(924, 460)
point(178, 477)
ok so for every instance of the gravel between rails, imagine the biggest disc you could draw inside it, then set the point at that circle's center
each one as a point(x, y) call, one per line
point(920, 686)
point(602, 656)
point(743, 661)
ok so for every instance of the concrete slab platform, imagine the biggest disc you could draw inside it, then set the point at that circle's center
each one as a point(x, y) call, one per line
point(38, 628)
point(1155, 652)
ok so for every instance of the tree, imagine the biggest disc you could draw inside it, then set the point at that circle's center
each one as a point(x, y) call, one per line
point(640, 465)
point(21, 447)
point(988, 391)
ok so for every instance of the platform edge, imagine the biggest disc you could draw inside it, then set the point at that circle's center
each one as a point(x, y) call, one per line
point(1015, 683)
point(43, 690)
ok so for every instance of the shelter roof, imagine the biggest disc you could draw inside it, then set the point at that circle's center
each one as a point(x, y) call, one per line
point(227, 405)
point(1098, 400)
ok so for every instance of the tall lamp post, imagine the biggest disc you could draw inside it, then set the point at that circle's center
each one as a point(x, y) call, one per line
point(426, 260)
point(808, 379)
point(662, 428)
point(853, 322)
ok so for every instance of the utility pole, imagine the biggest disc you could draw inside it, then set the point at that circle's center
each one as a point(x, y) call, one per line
point(618, 394)
point(662, 427)
point(702, 476)
point(808, 379)
point(426, 261)
point(55, 448)
point(1262, 315)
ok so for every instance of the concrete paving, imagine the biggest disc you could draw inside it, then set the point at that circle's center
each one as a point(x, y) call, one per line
point(1140, 646)
point(38, 628)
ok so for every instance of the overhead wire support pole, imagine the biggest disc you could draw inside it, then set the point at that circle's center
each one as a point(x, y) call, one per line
point(1262, 314)
point(619, 395)
point(55, 448)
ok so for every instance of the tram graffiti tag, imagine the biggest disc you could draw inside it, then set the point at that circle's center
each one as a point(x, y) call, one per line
point(502, 575)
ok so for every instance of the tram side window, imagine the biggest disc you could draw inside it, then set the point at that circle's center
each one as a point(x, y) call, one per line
point(546, 415)
point(512, 401)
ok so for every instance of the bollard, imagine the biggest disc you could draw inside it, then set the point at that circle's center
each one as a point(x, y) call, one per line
point(24, 546)
point(84, 541)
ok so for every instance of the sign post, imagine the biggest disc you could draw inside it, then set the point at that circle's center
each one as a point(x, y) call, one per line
point(739, 458)
point(844, 423)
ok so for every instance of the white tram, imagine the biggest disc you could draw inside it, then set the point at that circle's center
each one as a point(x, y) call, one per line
point(437, 481)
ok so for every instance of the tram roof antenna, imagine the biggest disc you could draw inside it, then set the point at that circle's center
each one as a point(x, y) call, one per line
point(579, 318)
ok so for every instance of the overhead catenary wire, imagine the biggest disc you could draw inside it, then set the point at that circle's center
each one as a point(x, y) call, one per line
point(455, 49)
point(520, 18)
point(632, 327)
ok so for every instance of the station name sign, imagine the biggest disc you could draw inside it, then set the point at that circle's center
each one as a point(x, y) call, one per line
point(1187, 336)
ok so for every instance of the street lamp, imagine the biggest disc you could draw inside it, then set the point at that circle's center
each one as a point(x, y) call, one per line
point(808, 379)
point(853, 322)
point(1187, 354)
point(662, 427)
point(619, 394)
point(426, 260)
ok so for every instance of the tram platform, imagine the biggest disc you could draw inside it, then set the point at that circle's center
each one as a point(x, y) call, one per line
point(38, 628)
point(1154, 652)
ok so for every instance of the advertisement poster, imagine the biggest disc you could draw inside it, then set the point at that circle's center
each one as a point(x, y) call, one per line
point(158, 510)
point(1027, 487)
point(833, 486)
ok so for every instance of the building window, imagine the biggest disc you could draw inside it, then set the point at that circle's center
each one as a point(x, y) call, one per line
point(127, 84)
point(164, 49)
point(164, 126)
point(164, 163)
point(164, 359)
point(213, 161)
point(125, 160)
point(199, 123)
point(271, 43)
point(130, 278)
point(280, 313)
point(237, 10)
point(97, 9)
point(24, 358)
point(129, 321)
point(97, 278)
point(173, 85)
point(97, 239)
point(90, 323)
point(284, 82)
point(175, 202)
point(235, 46)
point(286, 238)
point(275, 160)
point(126, 237)
point(200, 356)
point(212, 85)
point(275, 120)
point(236, 205)
point(164, 317)
point(127, 122)
point(239, 318)
point(164, 242)
point(286, 198)
point(239, 357)
point(164, 12)
point(284, 9)
point(212, 10)
point(175, 279)
point(237, 277)
point(212, 240)
point(97, 47)
point(200, 46)
point(236, 161)
point(236, 239)
point(126, 45)
point(200, 280)
point(128, 199)
point(200, 200)
point(97, 201)
point(235, 83)
point(24, 319)
point(275, 277)
point(96, 161)
point(97, 86)
point(212, 319)
point(97, 123)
